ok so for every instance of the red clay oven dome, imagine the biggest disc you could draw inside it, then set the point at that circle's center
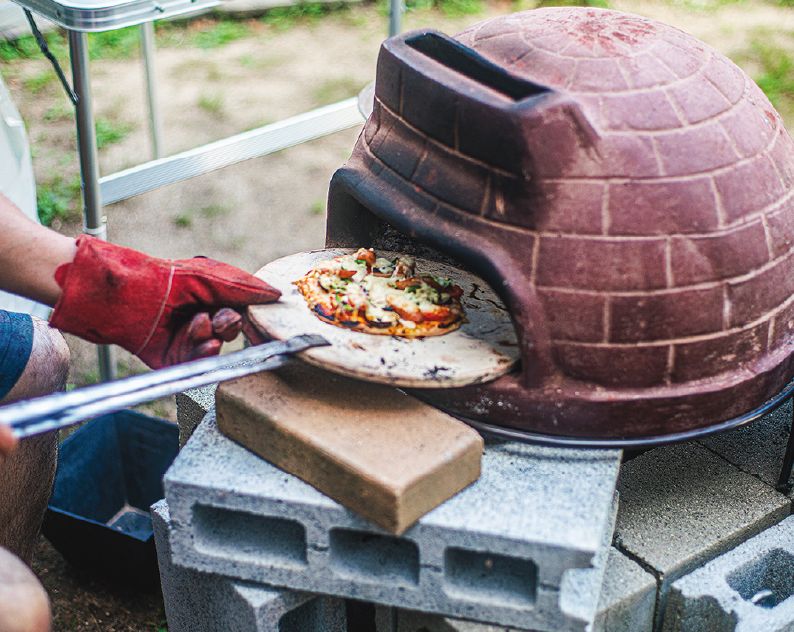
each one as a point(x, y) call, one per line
point(635, 180)
point(678, 233)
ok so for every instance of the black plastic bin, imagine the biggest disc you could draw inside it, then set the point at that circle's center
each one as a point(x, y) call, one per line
point(110, 472)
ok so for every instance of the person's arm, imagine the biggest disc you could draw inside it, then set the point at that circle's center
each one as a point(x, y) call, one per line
point(163, 311)
point(30, 254)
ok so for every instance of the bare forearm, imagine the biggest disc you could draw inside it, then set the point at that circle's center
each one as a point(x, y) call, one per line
point(29, 255)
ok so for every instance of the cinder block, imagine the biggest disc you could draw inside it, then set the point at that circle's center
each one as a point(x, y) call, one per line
point(628, 597)
point(758, 448)
point(201, 602)
point(748, 589)
point(683, 505)
point(191, 407)
point(496, 552)
point(626, 604)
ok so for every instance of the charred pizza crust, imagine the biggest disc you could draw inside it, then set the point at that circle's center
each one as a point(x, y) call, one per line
point(380, 296)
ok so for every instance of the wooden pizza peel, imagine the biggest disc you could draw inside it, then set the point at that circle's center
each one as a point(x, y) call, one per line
point(484, 347)
point(342, 426)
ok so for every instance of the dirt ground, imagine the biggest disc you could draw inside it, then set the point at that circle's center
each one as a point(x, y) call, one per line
point(251, 213)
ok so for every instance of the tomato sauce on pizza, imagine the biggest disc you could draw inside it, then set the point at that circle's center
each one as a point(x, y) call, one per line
point(372, 294)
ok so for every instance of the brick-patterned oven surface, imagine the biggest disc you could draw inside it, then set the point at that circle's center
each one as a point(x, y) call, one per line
point(639, 180)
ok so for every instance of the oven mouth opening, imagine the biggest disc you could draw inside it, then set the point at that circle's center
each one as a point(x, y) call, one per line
point(469, 63)
point(352, 224)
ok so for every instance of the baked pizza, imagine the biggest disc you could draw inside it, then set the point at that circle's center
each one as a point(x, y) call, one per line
point(364, 292)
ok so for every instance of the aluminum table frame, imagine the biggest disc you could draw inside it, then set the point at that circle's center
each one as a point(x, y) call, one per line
point(80, 17)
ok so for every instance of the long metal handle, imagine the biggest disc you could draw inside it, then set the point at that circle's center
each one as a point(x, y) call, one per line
point(53, 412)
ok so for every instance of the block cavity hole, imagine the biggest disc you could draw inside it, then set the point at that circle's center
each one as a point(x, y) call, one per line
point(374, 558)
point(315, 614)
point(498, 579)
point(239, 535)
point(765, 582)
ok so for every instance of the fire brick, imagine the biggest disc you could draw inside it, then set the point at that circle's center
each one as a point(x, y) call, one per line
point(202, 602)
point(748, 589)
point(338, 434)
point(487, 553)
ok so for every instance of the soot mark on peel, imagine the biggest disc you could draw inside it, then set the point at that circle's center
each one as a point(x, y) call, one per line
point(436, 372)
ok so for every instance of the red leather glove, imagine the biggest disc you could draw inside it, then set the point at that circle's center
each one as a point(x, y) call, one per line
point(161, 310)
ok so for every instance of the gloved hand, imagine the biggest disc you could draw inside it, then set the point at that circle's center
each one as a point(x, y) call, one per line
point(164, 311)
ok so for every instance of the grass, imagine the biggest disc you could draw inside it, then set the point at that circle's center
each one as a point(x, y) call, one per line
point(282, 18)
point(219, 32)
point(41, 80)
point(120, 44)
point(776, 76)
point(600, 4)
point(58, 112)
point(214, 210)
point(58, 201)
point(183, 220)
point(110, 132)
point(211, 104)
point(333, 90)
point(317, 207)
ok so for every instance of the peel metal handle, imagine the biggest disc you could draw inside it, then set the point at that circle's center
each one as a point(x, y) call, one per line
point(61, 410)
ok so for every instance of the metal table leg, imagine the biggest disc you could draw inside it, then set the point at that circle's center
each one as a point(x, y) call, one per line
point(783, 481)
point(94, 222)
point(155, 122)
point(396, 8)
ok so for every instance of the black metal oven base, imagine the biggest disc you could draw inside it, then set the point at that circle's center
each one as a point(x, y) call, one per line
point(783, 483)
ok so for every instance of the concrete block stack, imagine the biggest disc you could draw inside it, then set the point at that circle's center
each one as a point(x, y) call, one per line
point(626, 604)
point(200, 602)
point(683, 505)
point(702, 540)
point(507, 550)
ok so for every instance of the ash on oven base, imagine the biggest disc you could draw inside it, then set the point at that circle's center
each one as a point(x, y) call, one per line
point(545, 507)
point(201, 602)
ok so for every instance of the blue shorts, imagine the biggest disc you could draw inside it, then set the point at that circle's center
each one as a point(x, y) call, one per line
point(16, 342)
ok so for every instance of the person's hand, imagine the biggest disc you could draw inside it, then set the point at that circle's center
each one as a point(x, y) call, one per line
point(7, 442)
point(161, 310)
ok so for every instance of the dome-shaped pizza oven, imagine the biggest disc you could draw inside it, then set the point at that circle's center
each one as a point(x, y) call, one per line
point(627, 190)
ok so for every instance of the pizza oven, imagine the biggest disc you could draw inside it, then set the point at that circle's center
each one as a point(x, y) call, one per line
point(625, 189)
